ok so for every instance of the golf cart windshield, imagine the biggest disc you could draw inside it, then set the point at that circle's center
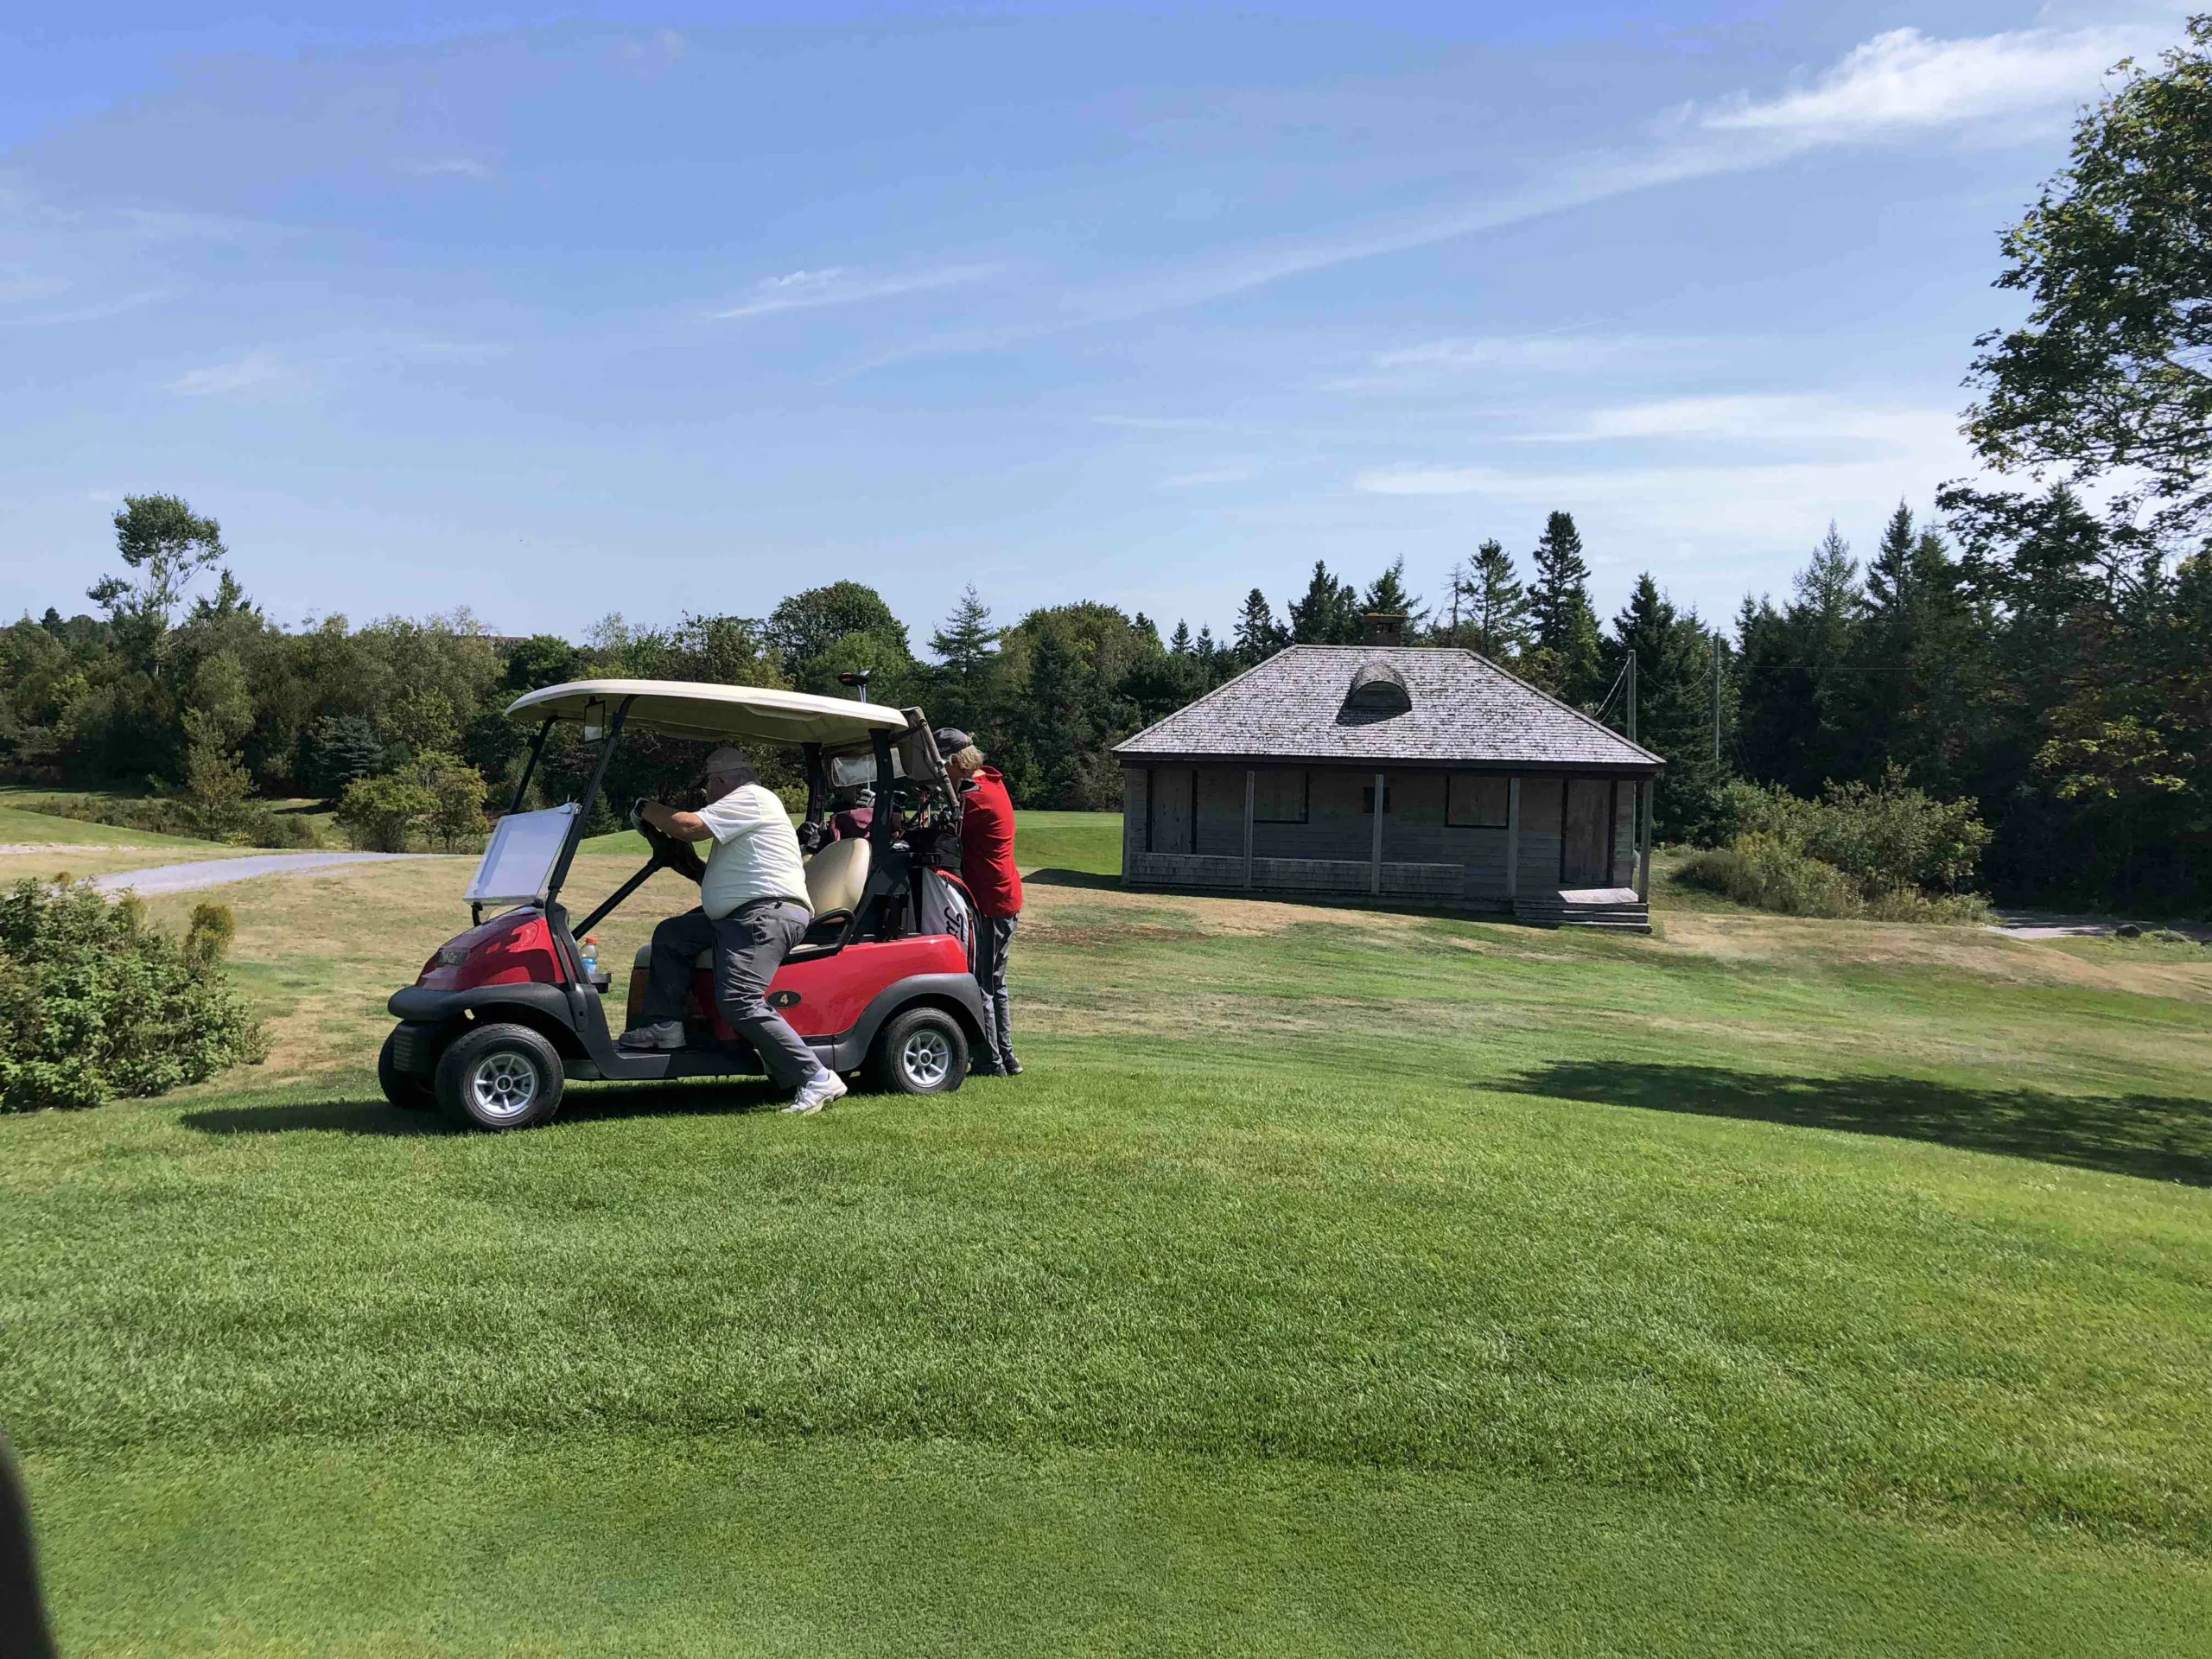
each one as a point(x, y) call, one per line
point(518, 867)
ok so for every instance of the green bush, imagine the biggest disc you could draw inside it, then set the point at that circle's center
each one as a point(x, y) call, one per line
point(1885, 851)
point(438, 797)
point(1884, 836)
point(1763, 870)
point(94, 1004)
point(248, 824)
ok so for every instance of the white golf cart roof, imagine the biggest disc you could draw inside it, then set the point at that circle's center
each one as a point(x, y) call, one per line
point(713, 714)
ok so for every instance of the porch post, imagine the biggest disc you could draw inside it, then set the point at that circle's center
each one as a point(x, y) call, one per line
point(1512, 838)
point(1251, 791)
point(1643, 855)
point(1374, 869)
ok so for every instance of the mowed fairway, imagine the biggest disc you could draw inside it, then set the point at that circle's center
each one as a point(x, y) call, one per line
point(1333, 1282)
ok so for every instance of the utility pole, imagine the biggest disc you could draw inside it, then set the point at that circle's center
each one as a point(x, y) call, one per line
point(1632, 694)
point(1716, 697)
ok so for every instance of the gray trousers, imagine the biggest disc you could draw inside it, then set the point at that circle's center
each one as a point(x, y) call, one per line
point(748, 946)
point(994, 934)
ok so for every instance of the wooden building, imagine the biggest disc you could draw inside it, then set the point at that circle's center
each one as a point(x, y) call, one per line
point(1411, 774)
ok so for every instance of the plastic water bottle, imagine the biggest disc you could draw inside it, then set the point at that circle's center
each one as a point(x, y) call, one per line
point(591, 955)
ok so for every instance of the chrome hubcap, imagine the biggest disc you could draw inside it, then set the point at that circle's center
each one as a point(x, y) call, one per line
point(502, 1084)
point(926, 1058)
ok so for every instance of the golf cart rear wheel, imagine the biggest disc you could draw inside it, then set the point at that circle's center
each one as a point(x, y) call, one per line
point(921, 1051)
point(499, 1077)
point(402, 1088)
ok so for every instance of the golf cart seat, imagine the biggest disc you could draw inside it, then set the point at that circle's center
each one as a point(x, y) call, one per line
point(835, 878)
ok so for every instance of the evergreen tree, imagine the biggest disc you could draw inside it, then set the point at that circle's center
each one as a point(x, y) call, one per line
point(1259, 636)
point(1215, 663)
point(1050, 721)
point(967, 639)
point(1327, 615)
point(1498, 605)
point(1799, 694)
point(1566, 659)
point(1178, 643)
point(1673, 663)
point(1387, 596)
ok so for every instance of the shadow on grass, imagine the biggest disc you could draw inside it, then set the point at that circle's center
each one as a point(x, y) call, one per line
point(326, 1116)
point(1052, 878)
point(373, 1116)
point(2147, 1135)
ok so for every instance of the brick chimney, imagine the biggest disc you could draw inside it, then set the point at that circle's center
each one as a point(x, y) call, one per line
point(1385, 627)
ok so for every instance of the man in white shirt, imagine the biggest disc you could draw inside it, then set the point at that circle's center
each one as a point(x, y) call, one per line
point(753, 909)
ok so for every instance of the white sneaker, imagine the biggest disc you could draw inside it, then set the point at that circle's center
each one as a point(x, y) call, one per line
point(666, 1034)
point(816, 1092)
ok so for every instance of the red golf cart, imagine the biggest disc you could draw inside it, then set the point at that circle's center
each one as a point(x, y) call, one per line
point(504, 1014)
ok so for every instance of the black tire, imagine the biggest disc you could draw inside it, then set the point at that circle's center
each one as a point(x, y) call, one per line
point(921, 1051)
point(499, 1077)
point(402, 1089)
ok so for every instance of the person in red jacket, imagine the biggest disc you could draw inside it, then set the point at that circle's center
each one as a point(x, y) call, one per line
point(987, 867)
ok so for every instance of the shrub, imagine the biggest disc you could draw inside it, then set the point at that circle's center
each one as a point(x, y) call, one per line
point(436, 797)
point(457, 792)
point(1764, 871)
point(1902, 853)
point(250, 824)
point(380, 813)
point(1884, 836)
point(94, 1004)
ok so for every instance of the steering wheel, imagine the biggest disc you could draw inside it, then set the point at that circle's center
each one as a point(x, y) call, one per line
point(669, 851)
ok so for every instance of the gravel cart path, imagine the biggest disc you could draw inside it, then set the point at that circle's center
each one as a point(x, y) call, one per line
point(214, 872)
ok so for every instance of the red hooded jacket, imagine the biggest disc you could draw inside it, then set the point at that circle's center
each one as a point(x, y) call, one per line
point(986, 845)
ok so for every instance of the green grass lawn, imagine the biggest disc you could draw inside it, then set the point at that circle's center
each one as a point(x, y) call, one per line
point(20, 826)
point(1331, 1283)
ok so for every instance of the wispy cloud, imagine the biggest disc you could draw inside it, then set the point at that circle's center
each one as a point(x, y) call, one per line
point(1895, 84)
point(1757, 418)
point(1449, 362)
point(802, 290)
point(1904, 83)
point(258, 375)
point(1772, 440)
point(450, 167)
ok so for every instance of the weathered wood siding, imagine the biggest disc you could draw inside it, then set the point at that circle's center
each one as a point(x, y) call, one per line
point(1184, 827)
point(1221, 812)
point(1172, 790)
point(1136, 781)
point(1540, 825)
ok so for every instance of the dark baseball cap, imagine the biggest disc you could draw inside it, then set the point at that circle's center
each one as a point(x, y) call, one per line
point(950, 740)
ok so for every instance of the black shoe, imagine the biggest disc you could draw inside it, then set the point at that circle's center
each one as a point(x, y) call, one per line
point(985, 1069)
point(1009, 1066)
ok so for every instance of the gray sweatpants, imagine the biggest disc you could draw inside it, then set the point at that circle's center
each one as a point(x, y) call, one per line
point(994, 937)
point(748, 946)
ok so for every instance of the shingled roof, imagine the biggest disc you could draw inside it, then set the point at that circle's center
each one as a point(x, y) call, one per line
point(1301, 705)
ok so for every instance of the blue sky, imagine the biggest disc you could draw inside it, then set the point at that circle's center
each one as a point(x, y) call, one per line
point(551, 314)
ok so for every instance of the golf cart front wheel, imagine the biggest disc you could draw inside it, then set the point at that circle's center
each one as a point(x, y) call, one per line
point(499, 1077)
point(402, 1088)
point(921, 1051)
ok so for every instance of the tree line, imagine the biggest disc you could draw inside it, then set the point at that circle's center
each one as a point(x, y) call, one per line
point(2045, 659)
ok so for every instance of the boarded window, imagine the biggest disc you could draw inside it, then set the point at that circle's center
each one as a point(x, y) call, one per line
point(1476, 801)
point(1278, 798)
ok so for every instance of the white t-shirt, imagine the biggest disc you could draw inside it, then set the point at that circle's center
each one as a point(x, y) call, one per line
point(755, 853)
